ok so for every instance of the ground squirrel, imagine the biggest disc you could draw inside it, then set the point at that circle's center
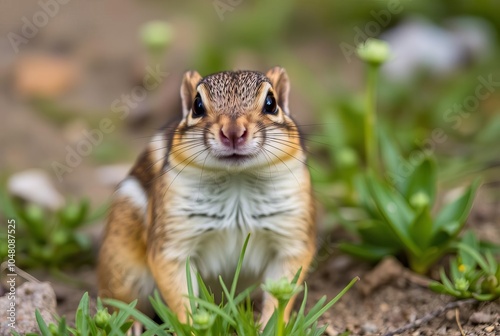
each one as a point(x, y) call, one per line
point(233, 165)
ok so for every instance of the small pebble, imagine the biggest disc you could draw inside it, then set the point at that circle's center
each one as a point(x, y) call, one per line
point(330, 331)
point(489, 329)
point(480, 318)
point(384, 307)
point(369, 328)
point(450, 315)
point(442, 331)
point(35, 186)
point(33, 296)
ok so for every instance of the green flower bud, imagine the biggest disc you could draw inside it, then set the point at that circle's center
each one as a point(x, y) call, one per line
point(462, 284)
point(347, 158)
point(53, 329)
point(419, 200)
point(34, 212)
point(156, 35)
point(490, 284)
point(71, 212)
point(60, 238)
point(373, 51)
point(203, 320)
point(281, 289)
point(102, 318)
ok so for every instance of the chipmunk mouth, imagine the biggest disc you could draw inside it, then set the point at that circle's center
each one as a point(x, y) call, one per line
point(234, 157)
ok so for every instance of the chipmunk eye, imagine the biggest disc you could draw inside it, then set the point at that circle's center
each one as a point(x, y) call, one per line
point(198, 107)
point(270, 105)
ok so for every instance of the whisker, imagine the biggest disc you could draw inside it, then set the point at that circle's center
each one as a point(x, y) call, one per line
point(305, 139)
point(184, 146)
point(201, 175)
point(301, 161)
point(187, 164)
point(268, 159)
point(173, 167)
point(283, 163)
point(290, 145)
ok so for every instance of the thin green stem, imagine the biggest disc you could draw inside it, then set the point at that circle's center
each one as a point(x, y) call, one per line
point(371, 140)
point(281, 319)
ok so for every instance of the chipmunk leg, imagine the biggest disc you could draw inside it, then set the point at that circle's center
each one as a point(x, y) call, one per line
point(123, 272)
point(170, 276)
point(283, 267)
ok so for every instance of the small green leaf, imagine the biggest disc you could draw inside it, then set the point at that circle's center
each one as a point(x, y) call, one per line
point(62, 330)
point(396, 212)
point(469, 239)
point(444, 279)
point(367, 252)
point(7, 206)
point(477, 257)
point(484, 297)
point(378, 233)
point(452, 217)
point(44, 329)
point(81, 314)
point(365, 198)
point(393, 161)
point(438, 287)
point(423, 179)
point(421, 228)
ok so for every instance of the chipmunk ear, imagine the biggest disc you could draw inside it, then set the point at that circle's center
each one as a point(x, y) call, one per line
point(188, 90)
point(281, 85)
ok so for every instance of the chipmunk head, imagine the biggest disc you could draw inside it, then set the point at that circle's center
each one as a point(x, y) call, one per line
point(235, 120)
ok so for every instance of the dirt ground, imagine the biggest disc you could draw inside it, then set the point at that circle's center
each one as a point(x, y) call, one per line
point(29, 139)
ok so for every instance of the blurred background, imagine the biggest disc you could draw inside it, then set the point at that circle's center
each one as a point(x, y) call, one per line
point(85, 83)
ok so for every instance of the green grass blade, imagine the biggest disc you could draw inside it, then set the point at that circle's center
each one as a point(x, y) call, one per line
point(190, 285)
point(130, 310)
point(205, 294)
point(476, 256)
point(238, 268)
point(296, 277)
point(231, 306)
point(313, 318)
point(300, 314)
point(159, 307)
point(44, 329)
point(215, 309)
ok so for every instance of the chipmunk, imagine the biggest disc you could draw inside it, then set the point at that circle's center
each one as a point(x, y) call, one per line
point(233, 165)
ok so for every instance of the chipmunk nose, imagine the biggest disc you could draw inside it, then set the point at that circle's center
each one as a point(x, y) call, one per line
point(233, 136)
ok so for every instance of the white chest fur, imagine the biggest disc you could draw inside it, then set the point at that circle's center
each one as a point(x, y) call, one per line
point(218, 211)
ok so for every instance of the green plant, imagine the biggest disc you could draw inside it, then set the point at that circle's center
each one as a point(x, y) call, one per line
point(100, 323)
point(399, 219)
point(473, 274)
point(234, 315)
point(49, 238)
point(393, 206)
point(374, 52)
